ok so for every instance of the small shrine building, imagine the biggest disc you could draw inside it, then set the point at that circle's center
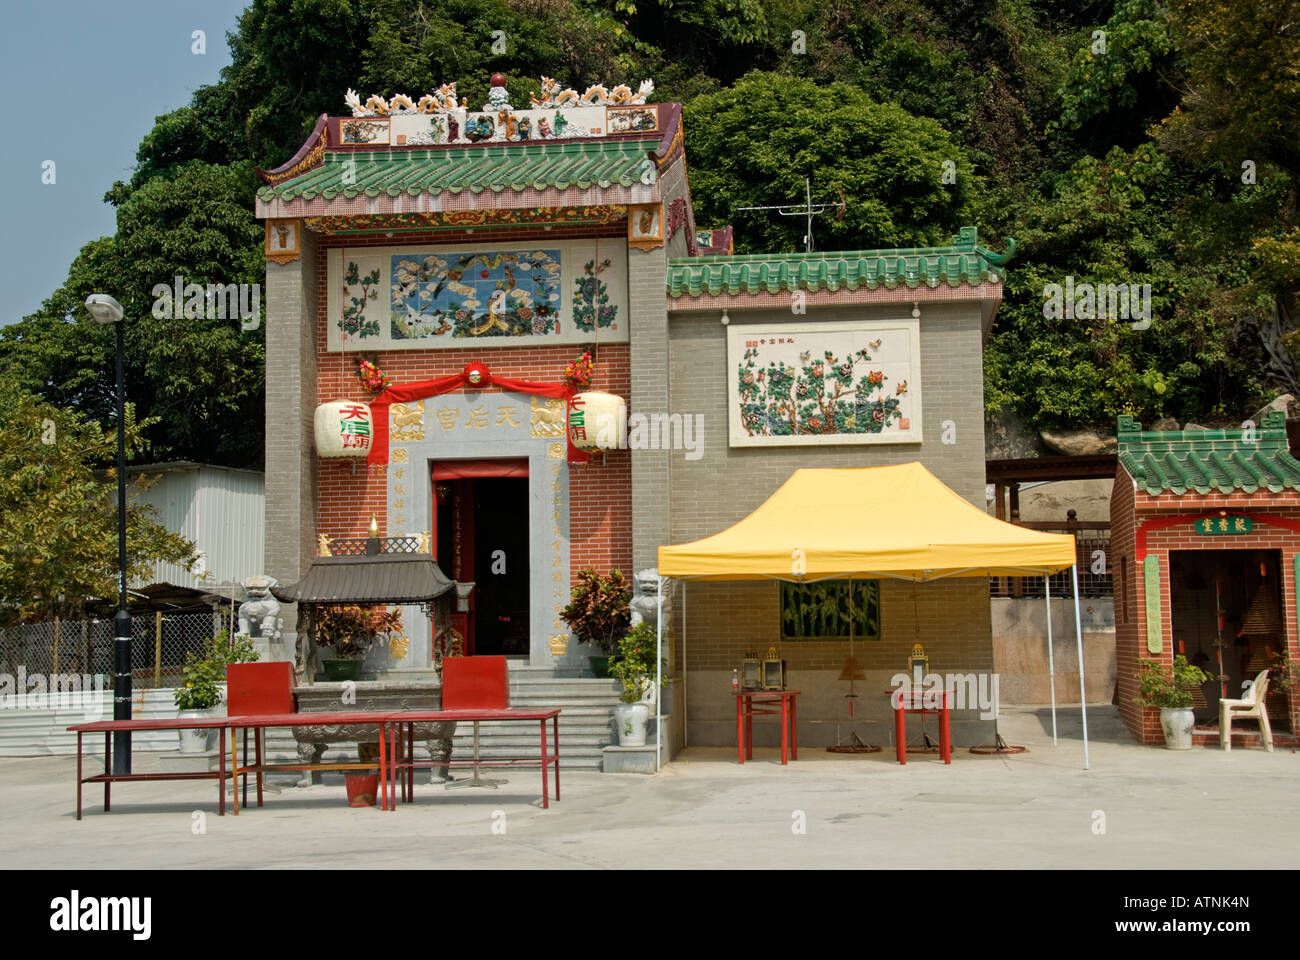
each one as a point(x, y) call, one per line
point(472, 256)
point(1205, 537)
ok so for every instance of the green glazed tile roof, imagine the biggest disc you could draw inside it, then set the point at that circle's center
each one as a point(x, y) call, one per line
point(964, 261)
point(1177, 461)
point(583, 164)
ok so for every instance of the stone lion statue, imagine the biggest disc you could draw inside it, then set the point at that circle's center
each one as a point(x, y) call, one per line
point(259, 614)
point(645, 599)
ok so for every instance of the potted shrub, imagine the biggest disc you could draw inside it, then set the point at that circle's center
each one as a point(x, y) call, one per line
point(1283, 681)
point(1171, 691)
point(348, 632)
point(598, 613)
point(635, 670)
point(200, 690)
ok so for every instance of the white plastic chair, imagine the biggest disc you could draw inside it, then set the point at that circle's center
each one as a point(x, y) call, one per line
point(1250, 707)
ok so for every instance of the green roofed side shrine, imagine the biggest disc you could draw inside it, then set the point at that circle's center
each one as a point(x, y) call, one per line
point(1243, 459)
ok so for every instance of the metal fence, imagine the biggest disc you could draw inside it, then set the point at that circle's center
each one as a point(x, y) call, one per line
point(1092, 550)
point(159, 644)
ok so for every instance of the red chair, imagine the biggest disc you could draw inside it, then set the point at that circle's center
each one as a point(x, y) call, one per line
point(475, 683)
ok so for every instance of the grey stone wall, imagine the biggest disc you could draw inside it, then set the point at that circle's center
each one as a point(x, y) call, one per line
point(290, 412)
point(647, 276)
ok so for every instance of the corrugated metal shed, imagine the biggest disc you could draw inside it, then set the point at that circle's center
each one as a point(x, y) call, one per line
point(221, 509)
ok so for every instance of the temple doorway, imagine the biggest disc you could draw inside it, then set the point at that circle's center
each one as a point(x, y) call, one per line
point(1228, 603)
point(481, 514)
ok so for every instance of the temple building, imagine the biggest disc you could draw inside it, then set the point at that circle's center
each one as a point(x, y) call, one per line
point(1206, 542)
point(472, 257)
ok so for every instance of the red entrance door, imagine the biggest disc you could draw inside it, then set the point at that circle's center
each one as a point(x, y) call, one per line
point(480, 523)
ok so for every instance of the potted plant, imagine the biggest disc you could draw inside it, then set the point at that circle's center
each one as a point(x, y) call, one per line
point(349, 632)
point(1283, 681)
point(599, 612)
point(635, 670)
point(200, 690)
point(1171, 691)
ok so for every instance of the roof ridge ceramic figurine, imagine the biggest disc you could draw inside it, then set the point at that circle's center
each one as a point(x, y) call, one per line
point(441, 101)
point(597, 95)
point(498, 97)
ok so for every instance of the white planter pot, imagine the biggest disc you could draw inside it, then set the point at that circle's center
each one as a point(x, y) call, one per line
point(1177, 724)
point(631, 719)
point(196, 739)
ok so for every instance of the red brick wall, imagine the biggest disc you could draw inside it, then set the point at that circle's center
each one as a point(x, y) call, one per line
point(600, 496)
point(1128, 510)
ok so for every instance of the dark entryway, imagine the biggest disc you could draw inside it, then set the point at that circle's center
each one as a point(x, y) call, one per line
point(482, 523)
point(1227, 602)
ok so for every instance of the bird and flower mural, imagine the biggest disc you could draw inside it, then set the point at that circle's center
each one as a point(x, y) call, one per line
point(824, 383)
point(561, 292)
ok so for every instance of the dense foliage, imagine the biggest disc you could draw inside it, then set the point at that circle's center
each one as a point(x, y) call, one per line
point(1120, 141)
point(59, 512)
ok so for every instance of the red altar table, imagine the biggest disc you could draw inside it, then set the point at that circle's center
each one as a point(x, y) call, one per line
point(403, 762)
point(258, 723)
point(109, 727)
point(760, 703)
point(922, 702)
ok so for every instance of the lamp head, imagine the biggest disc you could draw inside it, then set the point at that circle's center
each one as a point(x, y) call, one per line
point(103, 308)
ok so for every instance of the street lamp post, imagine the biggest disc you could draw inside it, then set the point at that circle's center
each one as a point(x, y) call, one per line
point(104, 309)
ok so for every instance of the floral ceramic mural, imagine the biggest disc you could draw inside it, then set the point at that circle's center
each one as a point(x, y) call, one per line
point(824, 383)
point(591, 306)
point(479, 294)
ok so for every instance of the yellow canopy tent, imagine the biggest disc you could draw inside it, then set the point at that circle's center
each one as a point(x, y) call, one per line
point(870, 523)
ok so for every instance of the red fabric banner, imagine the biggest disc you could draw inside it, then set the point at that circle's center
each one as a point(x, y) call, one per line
point(475, 375)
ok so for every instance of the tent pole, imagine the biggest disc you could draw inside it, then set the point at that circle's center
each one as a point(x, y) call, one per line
point(1078, 636)
point(659, 667)
point(686, 738)
point(1051, 668)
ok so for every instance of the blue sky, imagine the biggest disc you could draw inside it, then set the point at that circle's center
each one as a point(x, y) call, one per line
point(83, 82)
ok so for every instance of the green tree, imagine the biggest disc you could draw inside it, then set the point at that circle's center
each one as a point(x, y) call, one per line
point(58, 505)
point(755, 142)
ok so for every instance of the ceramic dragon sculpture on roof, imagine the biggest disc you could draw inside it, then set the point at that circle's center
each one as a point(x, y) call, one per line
point(553, 97)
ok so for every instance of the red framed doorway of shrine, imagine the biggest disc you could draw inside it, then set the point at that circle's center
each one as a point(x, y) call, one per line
point(480, 534)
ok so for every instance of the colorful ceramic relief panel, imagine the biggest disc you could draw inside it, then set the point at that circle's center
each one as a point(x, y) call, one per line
point(476, 294)
point(408, 298)
point(824, 383)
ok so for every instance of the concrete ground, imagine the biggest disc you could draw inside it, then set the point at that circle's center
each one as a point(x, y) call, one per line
point(1138, 807)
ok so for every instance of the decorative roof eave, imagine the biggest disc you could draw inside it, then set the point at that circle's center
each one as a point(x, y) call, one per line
point(508, 199)
point(672, 145)
point(706, 302)
point(309, 156)
point(462, 219)
point(963, 262)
